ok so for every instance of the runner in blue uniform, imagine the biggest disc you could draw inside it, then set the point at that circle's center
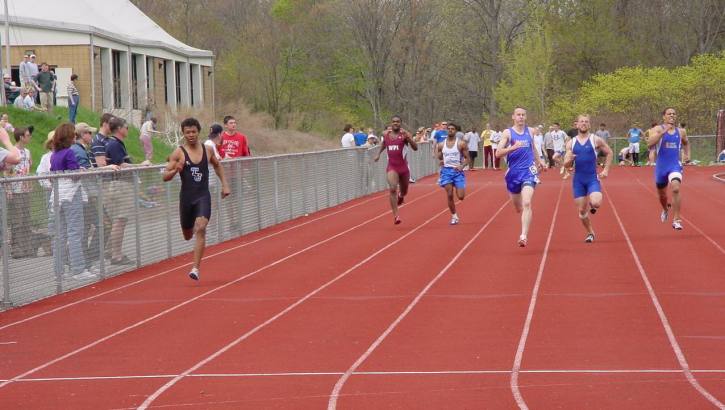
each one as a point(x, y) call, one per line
point(523, 168)
point(581, 153)
point(668, 140)
point(191, 161)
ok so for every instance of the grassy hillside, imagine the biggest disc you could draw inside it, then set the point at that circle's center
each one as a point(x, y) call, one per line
point(44, 123)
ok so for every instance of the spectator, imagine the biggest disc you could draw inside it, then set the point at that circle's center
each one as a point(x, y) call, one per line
point(371, 142)
point(602, 133)
point(539, 143)
point(11, 91)
point(9, 156)
point(74, 98)
point(473, 139)
point(371, 133)
point(495, 139)
point(147, 129)
point(487, 147)
point(420, 135)
point(348, 139)
point(5, 123)
point(633, 136)
point(34, 71)
point(624, 156)
point(26, 74)
point(46, 86)
point(19, 197)
point(29, 101)
point(71, 198)
point(98, 144)
point(118, 195)
point(360, 138)
point(234, 143)
point(19, 101)
point(214, 139)
point(721, 157)
point(549, 146)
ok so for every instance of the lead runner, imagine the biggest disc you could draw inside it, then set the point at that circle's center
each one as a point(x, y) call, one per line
point(398, 174)
point(191, 161)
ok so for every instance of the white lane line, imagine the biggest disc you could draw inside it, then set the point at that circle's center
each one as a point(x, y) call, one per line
point(663, 317)
point(188, 301)
point(39, 315)
point(289, 308)
point(369, 373)
point(332, 403)
point(514, 381)
point(689, 222)
point(8, 343)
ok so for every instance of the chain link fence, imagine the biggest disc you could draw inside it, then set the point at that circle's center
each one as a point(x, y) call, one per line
point(64, 231)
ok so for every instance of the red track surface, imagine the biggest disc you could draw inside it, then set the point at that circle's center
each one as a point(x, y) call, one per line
point(345, 304)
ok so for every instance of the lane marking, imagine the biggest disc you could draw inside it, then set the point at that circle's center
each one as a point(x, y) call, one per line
point(332, 403)
point(689, 222)
point(661, 313)
point(514, 381)
point(39, 315)
point(289, 308)
point(188, 301)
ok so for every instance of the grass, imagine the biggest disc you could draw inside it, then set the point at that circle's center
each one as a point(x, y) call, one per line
point(44, 123)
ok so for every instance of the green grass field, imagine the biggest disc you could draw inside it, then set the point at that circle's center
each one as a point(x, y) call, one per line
point(44, 123)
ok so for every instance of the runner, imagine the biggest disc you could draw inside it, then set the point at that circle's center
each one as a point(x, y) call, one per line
point(394, 140)
point(518, 147)
point(191, 161)
point(668, 140)
point(450, 152)
point(581, 153)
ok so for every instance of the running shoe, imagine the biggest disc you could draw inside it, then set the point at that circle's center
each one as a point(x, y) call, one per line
point(411, 180)
point(522, 241)
point(592, 211)
point(454, 220)
point(677, 225)
point(589, 238)
point(397, 220)
point(401, 199)
point(664, 214)
point(194, 274)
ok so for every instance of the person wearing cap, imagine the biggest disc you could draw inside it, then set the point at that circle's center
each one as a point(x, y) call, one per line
point(214, 140)
point(147, 128)
point(81, 147)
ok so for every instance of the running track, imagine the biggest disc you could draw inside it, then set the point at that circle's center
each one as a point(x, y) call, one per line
point(342, 309)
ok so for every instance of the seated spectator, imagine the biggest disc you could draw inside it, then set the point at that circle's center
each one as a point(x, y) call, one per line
point(5, 123)
point(19, 101)
point(29, 102)
point(11, 91)
point(71, 199)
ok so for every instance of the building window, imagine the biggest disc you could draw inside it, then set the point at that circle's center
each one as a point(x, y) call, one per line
point(177, 69)
point(116, 73)
point(134, 82)
point(191, 85)
point(166, 82)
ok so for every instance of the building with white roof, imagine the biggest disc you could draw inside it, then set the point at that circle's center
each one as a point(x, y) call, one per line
point(126, 63)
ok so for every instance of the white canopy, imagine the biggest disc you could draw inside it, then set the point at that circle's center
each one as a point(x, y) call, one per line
point(117, 20)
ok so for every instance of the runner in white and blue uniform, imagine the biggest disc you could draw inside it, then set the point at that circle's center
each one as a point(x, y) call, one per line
point(453, 153)
point(523, 165)
point(668, 140)
point(581, 152)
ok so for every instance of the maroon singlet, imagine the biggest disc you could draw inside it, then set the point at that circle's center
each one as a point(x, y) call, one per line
point(394, 145)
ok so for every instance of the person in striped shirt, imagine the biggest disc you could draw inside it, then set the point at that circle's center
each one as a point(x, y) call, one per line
point(74, 98)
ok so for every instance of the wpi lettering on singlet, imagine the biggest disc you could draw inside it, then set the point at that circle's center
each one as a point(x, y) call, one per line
point(393, 148)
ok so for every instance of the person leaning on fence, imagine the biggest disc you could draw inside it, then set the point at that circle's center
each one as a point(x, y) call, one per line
point(9, 156)
point(98, 144)
point(118, 193)
point(71, 199)
point(19, 198)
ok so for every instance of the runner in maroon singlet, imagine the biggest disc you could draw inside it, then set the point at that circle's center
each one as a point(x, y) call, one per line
point(398, 172)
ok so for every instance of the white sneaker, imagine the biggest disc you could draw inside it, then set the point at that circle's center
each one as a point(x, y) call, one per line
point(454, 220)
point(85, 275)
point(663, 216)
point(194, 274)
point(589, 238)
point(677, 225)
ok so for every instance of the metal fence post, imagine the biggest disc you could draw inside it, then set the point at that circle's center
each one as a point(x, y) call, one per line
point(219, 225)
point(238, 165)
point(135, 175)
point(276, 192)
point(167, 189)
point(259, 196)
point(59, 246)
point(289, 188)
point(101, 227)
point(6, 300)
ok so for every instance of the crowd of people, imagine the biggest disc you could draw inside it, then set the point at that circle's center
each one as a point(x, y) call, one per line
point(75, 148)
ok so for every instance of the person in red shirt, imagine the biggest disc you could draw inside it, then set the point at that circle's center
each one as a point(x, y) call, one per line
point(234, 143)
